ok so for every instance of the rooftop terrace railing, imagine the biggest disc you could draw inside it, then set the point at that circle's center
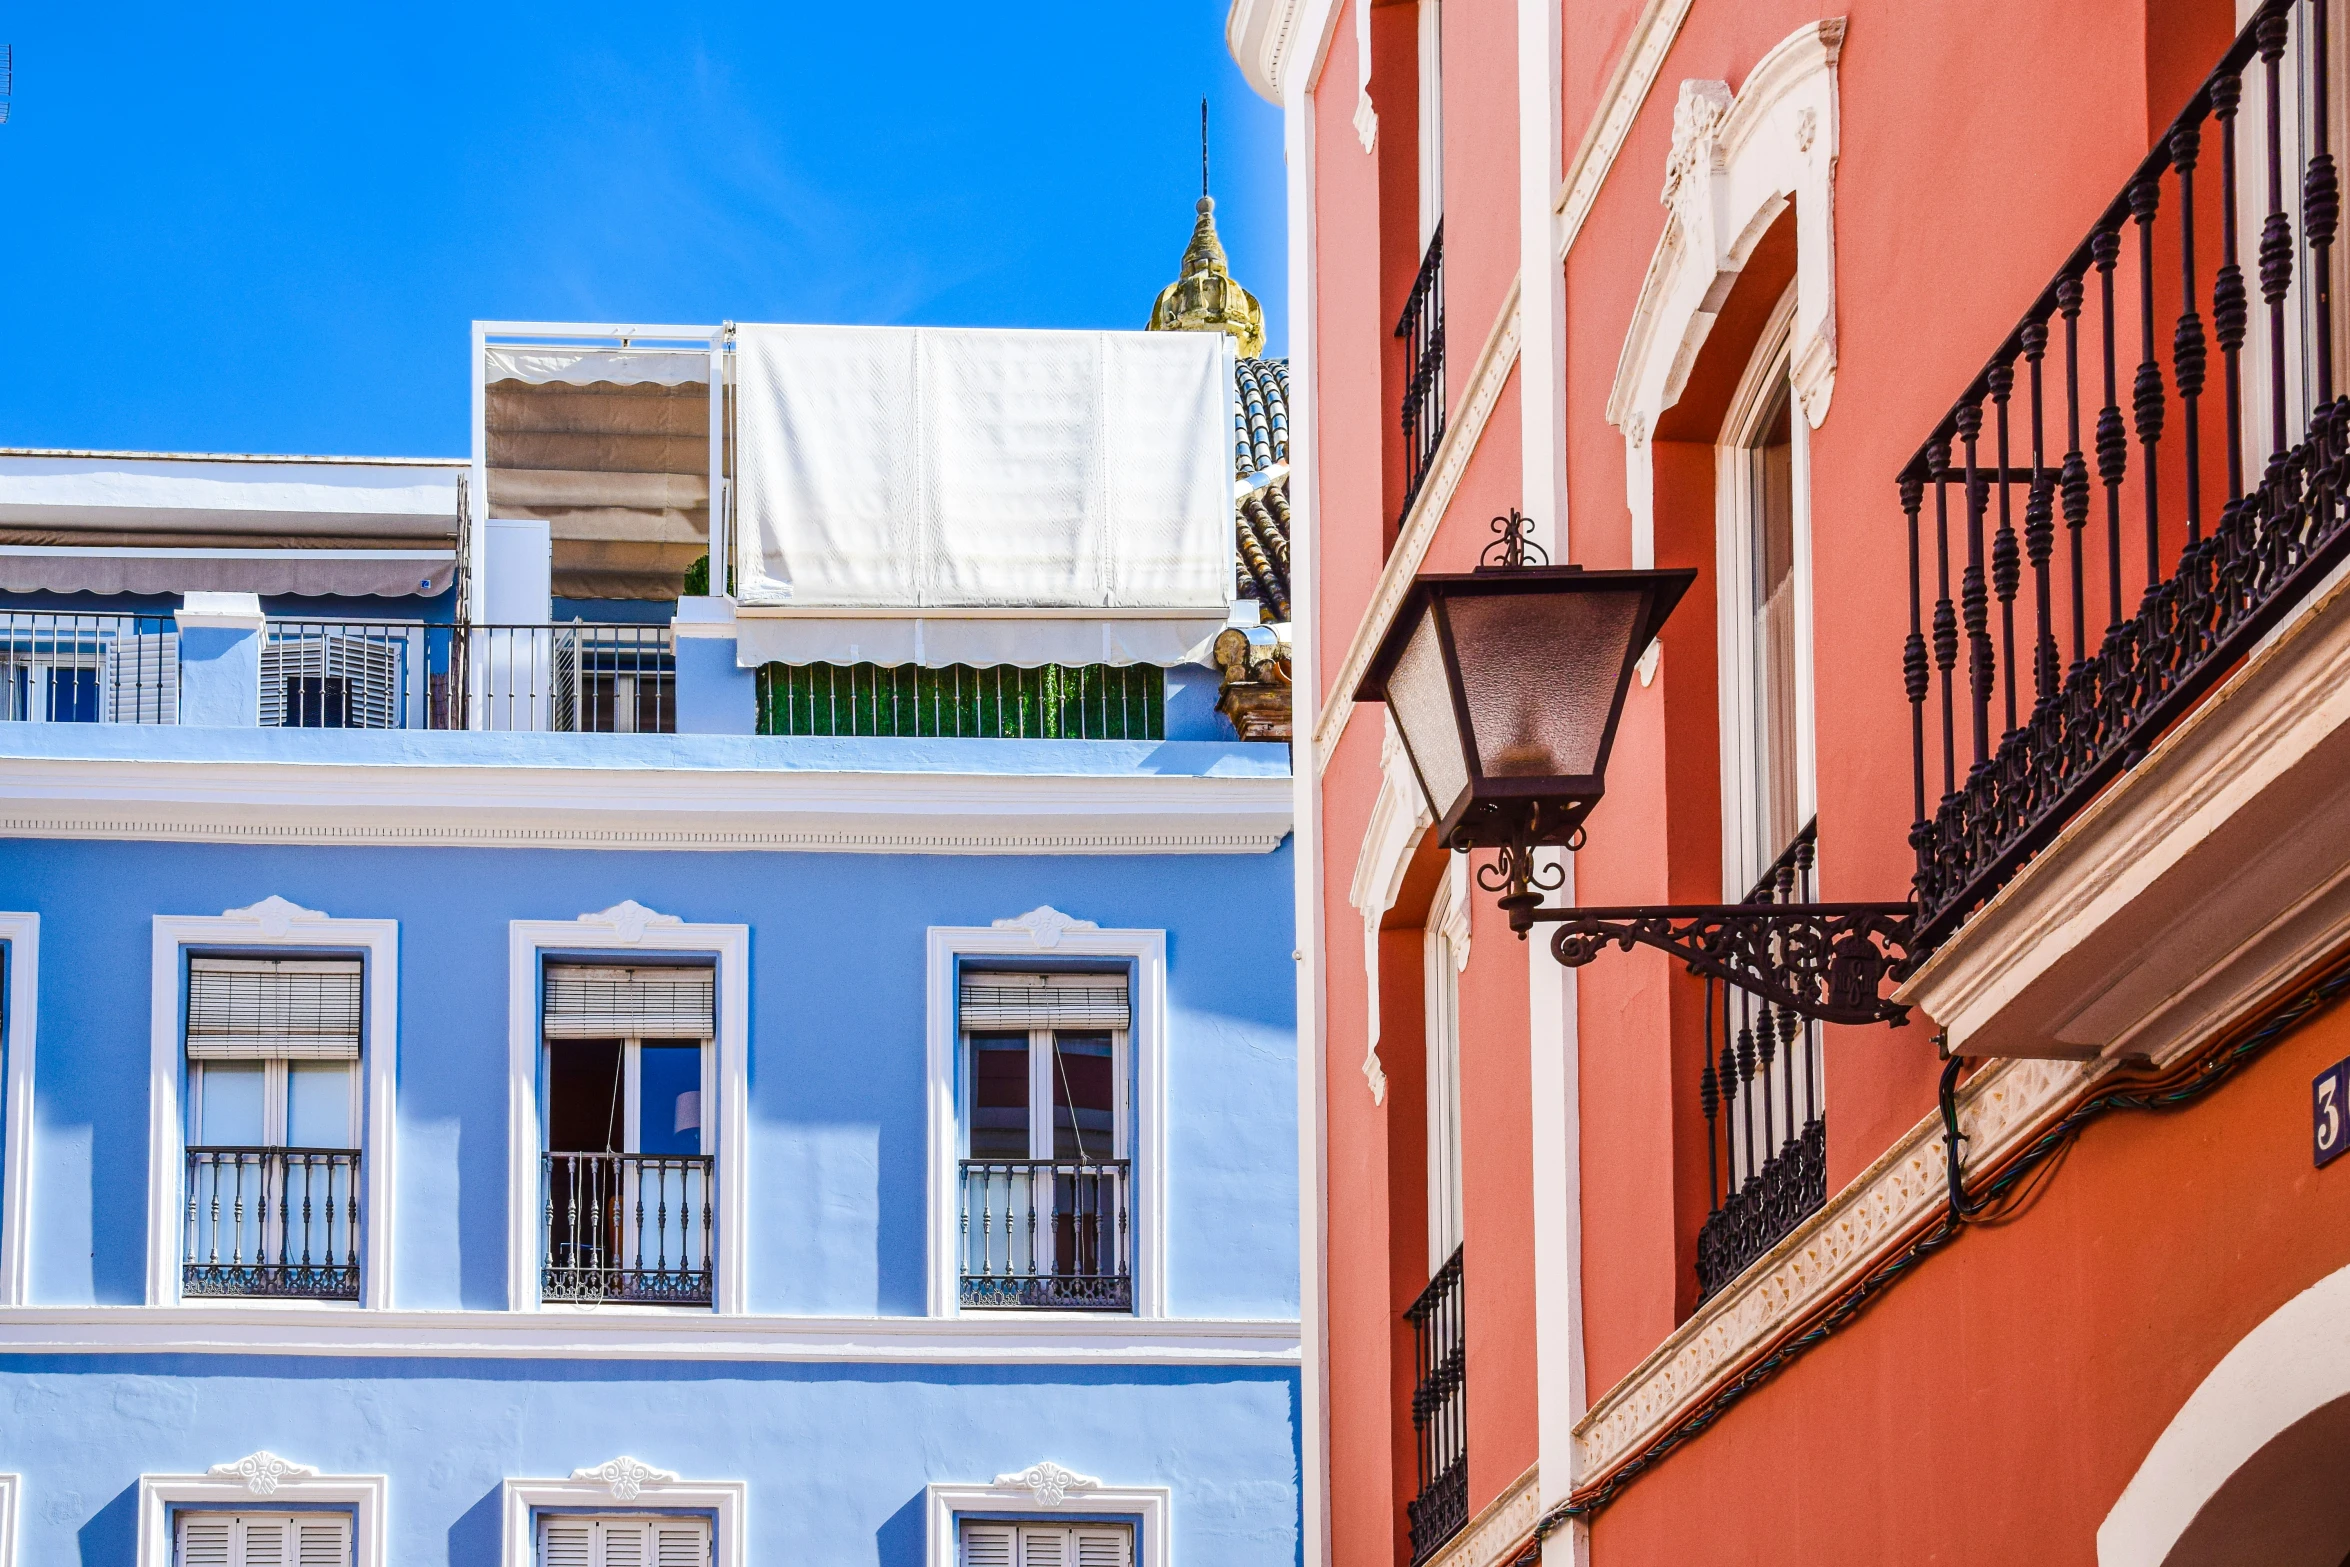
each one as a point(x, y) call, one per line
point(2221, 506)
point(88, 669)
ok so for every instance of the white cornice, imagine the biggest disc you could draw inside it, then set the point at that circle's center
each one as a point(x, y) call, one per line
point(647, 808)
point(1486, 377)
point(651, 1333)
point(1262, 35)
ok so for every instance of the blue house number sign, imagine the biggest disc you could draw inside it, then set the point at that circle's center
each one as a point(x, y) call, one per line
point(2330, 1109)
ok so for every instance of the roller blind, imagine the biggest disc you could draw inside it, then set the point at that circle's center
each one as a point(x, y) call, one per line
point(260, 1009)
point(572, 1540)
point(991, 1000)
point(1046, 1545)
point(264, 1540)
point(595, 1002)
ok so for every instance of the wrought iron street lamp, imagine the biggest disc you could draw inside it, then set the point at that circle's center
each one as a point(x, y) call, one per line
point(1506, 684)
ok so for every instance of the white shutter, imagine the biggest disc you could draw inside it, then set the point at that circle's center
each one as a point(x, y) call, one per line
point(262, 1541)
point(207, 1539)
point(369, 668)
point(1044, 1547)
point(567, 1542)
point(586, 1001)
point(304, 1009)
point(322, 1540)
point(626, 1542)
point(681, 1542)
point(991, 1000)
point(1099, 1546)
point(142, 679)
point(990, 1545)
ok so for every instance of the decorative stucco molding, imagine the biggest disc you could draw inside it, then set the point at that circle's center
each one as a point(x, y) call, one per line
point(1399, 820)
point(275, 917)
point(1495, 1534)
point(262, 1471)
point(1366, 116)
point(1048, 1483)
point(1901, 1193)
point(1738, 161)
point(1046, 925)
point(628, 920)
point(1486, 378)
point(1627, 89)
point(626, 1478)
point(1262, 37)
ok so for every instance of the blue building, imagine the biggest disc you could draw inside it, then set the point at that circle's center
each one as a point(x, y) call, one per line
point(516, 1053)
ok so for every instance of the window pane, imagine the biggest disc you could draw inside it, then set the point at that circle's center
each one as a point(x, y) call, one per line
point(1084, 1089)
point(584, 1093)
point(999, 1096)
point(318, 1104)
point(1774, 631)
point(231, 1099)
point(669, 1099)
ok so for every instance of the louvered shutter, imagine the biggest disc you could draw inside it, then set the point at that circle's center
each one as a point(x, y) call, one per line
point(567, 1542)
point(1044, 1547)
point(626, 1542)
point(586, 1001)
point(681, 1543)
point(207, 1539)
point(262, 1542)
point(990, 1545)
point(248, 1009)
point(1104, 1547)
point(991, 1000)
point(322, 1540)
point(143, 678)
point(368, 667)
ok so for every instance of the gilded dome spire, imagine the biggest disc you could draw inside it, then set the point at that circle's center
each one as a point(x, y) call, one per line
point(1204, 298)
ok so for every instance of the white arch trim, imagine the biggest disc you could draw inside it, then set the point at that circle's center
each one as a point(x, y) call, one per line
point(1738, 160)
point(2293, 1364)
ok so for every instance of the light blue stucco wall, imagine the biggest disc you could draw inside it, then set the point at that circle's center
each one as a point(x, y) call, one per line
point(835, 1458)
point(835, 1211)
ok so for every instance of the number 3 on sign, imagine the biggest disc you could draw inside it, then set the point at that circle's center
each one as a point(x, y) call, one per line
point(2330, 1112)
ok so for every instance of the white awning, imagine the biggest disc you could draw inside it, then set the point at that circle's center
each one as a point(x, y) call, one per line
point(85, 497)
point(905, 474)
point(43, 568)
point(991, 1000)
point(586, 366)
point(247, 1009)
point(595, 1001)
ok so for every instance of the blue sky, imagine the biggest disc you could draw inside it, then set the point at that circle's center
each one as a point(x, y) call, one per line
point(267, 229)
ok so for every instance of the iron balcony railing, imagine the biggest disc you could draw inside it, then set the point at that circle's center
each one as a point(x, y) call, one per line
point(1047, 1234)
point(1422, 332)
point(278, 1222)
point(580, 678)
point(335, 674)
point(2227, 513)
point(998, 702)
point(627, 1227)
point(88, 669)
point(1440, 1412)
point(1766, 1144)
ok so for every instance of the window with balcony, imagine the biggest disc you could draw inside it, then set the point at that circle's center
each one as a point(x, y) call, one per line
point(274, 1111)
point(205, 1538)
point(627, 1177)
point(623, 1540)
point(1440, 1414)
point(1045, 1175)
point(1013, 1544)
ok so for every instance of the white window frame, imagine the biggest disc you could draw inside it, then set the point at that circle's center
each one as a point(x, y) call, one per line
point(1431, 68)
point(9, 1486)
point(1047, 1493)
point(1046, 933)
point(20, 941)
point(272, 923)
point(1768, 371)
point(628, 1486)
point(627, 927)
point(1446, 947)
point(262, 1482)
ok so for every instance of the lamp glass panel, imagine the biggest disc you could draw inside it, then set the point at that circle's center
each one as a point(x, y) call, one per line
point(1420, 700)
point(1539, 672)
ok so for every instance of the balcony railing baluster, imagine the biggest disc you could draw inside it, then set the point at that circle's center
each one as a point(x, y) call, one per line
point(276, 1246)
point(2223, 586)
point(595, 1240)
point(1440, 1415)
point(1065, 1234)
point(1422, 331)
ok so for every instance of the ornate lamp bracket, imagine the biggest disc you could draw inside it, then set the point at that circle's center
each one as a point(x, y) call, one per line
point(1819, 960)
